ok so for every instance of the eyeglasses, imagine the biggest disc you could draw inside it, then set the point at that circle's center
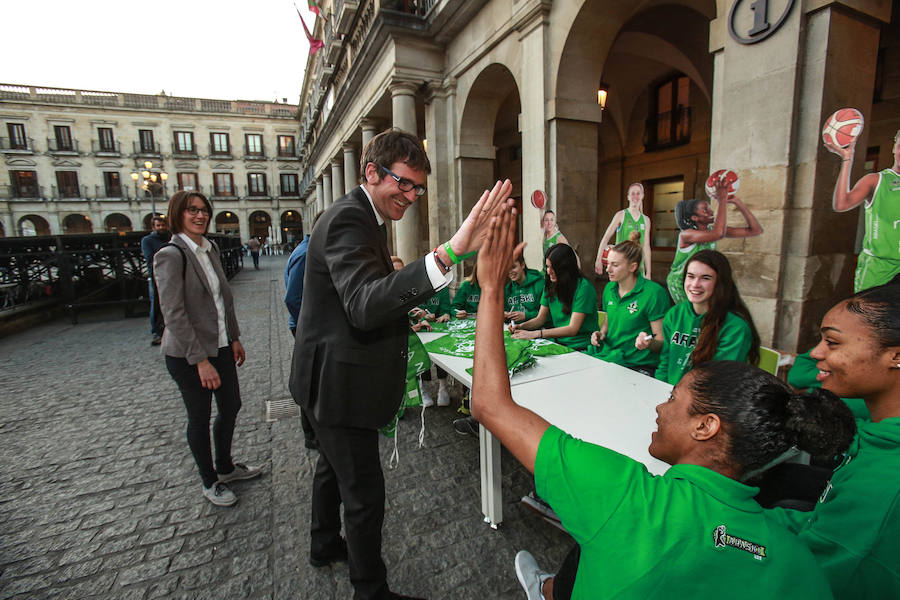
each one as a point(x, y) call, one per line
point(194, 210)
point(403, 183)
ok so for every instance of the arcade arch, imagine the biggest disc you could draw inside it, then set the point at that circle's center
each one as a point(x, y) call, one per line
point(228, 223)
point(260, 225)
point(291, 226)
point(76, 223)
point(117, 222)
point(31, 225)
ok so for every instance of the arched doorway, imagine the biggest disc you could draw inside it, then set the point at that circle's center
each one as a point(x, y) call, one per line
point(228, 223)
point(490, 141)
point(261, 225)
point(656, 125)
point(31, 225)
point(291, 227)
point(77, 224)
point(117, 222)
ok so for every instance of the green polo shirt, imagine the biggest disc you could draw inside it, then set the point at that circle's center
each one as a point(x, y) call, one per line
point(439, 304)
point(627, 316)
point(467, 297)
point(681, 328)
point(585, 301)
point(691, 533)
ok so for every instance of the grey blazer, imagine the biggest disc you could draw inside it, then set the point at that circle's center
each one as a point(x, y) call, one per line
point(188, 306)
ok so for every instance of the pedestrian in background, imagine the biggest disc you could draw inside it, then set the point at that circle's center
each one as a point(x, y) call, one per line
point(150, 245)
point(253, 245)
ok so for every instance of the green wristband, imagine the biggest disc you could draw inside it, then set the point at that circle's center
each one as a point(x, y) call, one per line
point(453, 258)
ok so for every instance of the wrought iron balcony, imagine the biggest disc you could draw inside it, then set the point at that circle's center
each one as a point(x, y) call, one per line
point(13, 146)
point(345, 10)
point(112, 192)
point(146, 150)
point(100, 148)
point(254, 153)
point(219, 152)
point(68, 192)
point(289, 193)
point(183, 152)
point(21, 192)
point(64, 147)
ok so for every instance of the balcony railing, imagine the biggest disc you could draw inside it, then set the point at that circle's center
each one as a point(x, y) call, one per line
point(254, 153)
point(56, 146)
point(289, 193)
point(289, 154)
point(104, 149)
point(140, 149)
point(7, 145)
point(219, 152)
point(69, 192)
point(113, 192)
point(21, 192)
point(184, 152)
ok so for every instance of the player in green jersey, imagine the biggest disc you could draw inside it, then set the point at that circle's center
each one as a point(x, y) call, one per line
point(701, 229)
point(623, 223)
point(879, 193)
point(568, 313)
point(854, 528)
point(683, 534)
point(712, 324)
point(551, 233)
point(633, 305)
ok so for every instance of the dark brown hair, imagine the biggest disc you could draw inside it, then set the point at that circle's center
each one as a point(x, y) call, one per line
point(391, 146)
point(179, 203)
point(630, 248)
point(725, 299)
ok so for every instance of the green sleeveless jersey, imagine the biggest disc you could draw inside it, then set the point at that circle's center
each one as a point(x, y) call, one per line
point(551, 241)
point(675, 278)
point(630, 224)
point(882, 237)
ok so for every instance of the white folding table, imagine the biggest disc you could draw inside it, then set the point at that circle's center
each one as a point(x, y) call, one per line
point(591, 399)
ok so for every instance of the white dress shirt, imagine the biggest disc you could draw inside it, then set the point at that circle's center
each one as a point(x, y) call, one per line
point(201, 251)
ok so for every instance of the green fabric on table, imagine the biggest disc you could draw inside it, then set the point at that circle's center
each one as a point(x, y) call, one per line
point(518, 355)
point(545, 347)
point(464, 325)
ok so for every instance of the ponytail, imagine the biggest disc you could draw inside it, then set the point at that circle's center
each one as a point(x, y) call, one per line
point(820, 422)
point(631, 248)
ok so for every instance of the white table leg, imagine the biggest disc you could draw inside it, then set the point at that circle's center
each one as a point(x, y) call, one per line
point(491, 494)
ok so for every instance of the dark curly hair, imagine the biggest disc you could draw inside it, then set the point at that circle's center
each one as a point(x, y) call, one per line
point(763, 417)
point(879, 309)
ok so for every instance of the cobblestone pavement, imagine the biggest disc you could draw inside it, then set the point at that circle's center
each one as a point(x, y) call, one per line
point(100, 498)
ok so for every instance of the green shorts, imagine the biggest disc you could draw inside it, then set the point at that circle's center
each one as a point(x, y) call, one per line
point(872, 271)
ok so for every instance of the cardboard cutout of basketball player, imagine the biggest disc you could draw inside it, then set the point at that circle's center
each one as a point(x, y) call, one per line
point(879, 193)
point(701, 228)
point(623, 223)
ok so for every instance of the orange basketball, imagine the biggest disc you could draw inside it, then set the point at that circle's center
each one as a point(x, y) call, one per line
point(843, 127)
point(728, 176)
point(605, 257)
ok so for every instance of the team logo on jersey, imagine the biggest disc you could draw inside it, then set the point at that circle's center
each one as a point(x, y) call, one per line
point(633, 307)
point(722, 539)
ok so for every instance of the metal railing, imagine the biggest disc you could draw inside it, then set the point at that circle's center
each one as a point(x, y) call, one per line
point(79, 271)
point(139, 149)
point(62, 146)
point(7, 144)
point(98, 147)
point(254, 154)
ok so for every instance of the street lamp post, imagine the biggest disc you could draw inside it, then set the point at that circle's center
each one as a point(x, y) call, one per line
point(150, 181)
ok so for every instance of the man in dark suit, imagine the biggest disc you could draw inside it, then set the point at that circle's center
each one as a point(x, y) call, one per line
point(350, 351)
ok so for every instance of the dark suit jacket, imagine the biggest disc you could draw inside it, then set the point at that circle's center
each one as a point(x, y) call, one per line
point(187, 303)
point(349, 362)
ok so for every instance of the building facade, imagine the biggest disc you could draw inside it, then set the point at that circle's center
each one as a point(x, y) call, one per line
point(509, 88)
point(69, 156)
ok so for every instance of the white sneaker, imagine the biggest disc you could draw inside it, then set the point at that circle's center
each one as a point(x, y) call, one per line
point(443, 396)
point(530, 575)
point(427, 400)
point(241, 471)
point(219, 494)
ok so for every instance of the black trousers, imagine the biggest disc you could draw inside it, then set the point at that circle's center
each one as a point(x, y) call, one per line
point(349, 472)
point(564, 581)
point(198, 402)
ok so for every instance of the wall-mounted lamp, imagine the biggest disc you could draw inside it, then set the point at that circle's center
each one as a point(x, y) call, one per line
point(602, 93)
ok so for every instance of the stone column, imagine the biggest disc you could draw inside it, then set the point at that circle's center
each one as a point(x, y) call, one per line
point(369, 130)
point(337, 179)
point(535, 168)
point(9, 225)
point(244, 220)
point(327, 189)
point(351, 180)
point(320, 197)
point(770, 99)
point(403, 103)
point(444, 210)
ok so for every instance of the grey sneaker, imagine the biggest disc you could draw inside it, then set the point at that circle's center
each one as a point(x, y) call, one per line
point(530, 575)
point(241, 471)
point(219, 494)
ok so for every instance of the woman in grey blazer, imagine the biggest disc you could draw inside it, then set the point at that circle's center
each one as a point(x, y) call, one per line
point(200, 341)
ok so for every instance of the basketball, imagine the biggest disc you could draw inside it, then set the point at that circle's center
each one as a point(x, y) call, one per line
point(842, 128)
point(729, 176)
point(538, 199)
point(605, 257)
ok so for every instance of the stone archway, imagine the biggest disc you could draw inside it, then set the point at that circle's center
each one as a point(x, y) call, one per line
point(228, 223)
point(490, 143)
point(31, 225)
point(261, 225)
point(77, 223)
point(116, 222)
point(291, 227)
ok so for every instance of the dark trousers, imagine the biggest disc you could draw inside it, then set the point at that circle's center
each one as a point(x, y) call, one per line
point(155, 317)
point(309, 436)
point(564, 580)
point(198, 402)
point(255, 256)
point(349, 472)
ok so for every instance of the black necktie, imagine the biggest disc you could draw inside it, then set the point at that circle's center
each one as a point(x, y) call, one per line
point(383, 229)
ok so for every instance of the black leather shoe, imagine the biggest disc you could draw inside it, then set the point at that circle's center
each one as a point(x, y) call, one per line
point(338, 556)
point(395, 596)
